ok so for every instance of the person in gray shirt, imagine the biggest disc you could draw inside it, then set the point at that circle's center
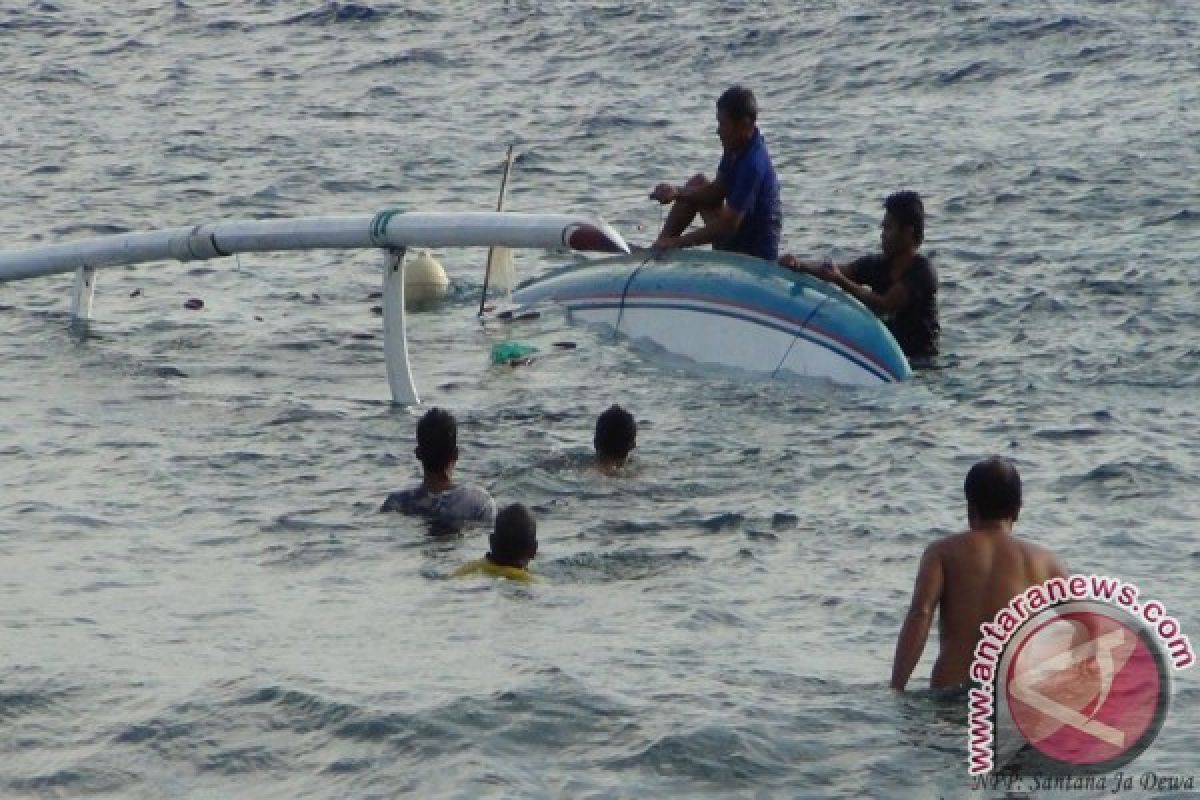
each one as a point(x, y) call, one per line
point(438, 497)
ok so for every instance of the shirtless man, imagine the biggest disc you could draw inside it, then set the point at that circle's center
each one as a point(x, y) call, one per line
point(970, 576)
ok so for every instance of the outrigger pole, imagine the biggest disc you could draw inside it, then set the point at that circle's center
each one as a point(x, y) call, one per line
point(390, 230)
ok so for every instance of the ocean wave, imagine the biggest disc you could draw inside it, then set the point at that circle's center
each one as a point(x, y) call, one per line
point(627, 564)
point(418, 56)
point(334, 12)
point(213, 561)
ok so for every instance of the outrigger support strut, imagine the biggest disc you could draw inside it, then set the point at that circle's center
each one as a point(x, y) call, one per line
point(395, 335)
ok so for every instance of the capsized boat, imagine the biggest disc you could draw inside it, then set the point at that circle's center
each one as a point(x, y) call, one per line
point(728, 310)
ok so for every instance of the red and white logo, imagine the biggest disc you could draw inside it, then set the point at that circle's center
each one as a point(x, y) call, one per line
point(1085, 687)
point(1072, 677)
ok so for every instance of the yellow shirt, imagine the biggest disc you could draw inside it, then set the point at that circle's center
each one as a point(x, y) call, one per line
point(485, 567)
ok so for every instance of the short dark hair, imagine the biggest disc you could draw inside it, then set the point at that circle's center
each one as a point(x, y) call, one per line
point(907, 209)
point(437, 440)
point(993, 487)
point(739, 103)
point(616, 432)
point(515, 535)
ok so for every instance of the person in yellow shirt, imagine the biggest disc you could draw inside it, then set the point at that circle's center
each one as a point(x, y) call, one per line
point(513, 545)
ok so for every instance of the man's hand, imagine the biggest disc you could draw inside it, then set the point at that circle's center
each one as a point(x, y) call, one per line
point(824, 271)
point(666, 243)
point(665, 193)
point(835, 277)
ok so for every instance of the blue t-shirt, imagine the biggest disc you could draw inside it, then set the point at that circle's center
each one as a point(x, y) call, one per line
point(752, 189)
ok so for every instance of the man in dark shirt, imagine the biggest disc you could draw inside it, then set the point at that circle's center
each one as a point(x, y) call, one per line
point(740, 209)
point(899, 285)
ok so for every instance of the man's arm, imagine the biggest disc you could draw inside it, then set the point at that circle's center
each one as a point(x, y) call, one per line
point(721, 221)
point(819, 269)
point(894, 299)
point(927, 592)
point(711, 194)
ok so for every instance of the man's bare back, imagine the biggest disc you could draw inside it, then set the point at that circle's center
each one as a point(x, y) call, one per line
point(968, 578)
point(983, 571)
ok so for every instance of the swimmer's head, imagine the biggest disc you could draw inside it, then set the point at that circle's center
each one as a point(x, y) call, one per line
point(514, 540)
point(437, 441)
point(616, 435)
point(993, 489)
point(903, 223)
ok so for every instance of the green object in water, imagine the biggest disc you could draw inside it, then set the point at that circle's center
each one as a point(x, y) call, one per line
point(505, 352)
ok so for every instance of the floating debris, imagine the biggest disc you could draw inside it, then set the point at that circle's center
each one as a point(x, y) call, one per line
point(512, 353)
point(524, 315)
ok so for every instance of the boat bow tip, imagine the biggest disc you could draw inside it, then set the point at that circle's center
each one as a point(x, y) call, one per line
point(598, 237)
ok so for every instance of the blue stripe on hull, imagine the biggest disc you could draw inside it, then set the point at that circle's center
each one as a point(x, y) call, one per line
point(733, 286)
point(575, 303)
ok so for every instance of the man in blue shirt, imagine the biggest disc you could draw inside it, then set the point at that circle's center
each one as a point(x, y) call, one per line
point(740, 208)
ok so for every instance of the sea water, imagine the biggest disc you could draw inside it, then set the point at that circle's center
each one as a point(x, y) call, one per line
point(199, 597)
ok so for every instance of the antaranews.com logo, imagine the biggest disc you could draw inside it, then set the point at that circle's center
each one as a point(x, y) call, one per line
point(1073, 678)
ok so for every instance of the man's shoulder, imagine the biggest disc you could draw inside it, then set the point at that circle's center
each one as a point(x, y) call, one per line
point(955, 543)
point(470, 568)
point(758, 142)
point(471, 502)
point(725, 166)
point(1028, 545)
point(754, 159)
point(864, 268)
point(483, 566)
point(404, 500)
point(760, 156)
point(471, 493)
point(1039, 554)
point(464, 502)
point(923, 268)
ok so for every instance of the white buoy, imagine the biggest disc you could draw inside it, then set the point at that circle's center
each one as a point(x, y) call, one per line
point(425, 279)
